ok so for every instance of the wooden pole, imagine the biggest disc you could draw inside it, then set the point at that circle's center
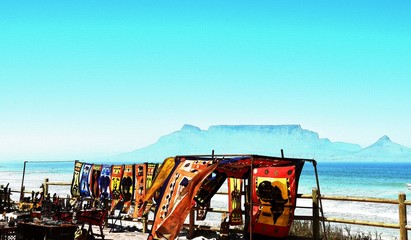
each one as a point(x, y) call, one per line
point(22, 182)
point(8, 198)
point(190, 233)
point(402, 216)
point(319, 197)
point(316, 218)
point(46, 187)
point(144, 220)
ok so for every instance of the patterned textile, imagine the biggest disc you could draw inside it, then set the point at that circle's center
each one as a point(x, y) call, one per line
point(116, 175)
point(75, 184)
point(163, 173)
point(209, 187)
point(274, 192)
point(239, 167)
point(140, 187)
point(177, 194)
point(127, 186)
point(234, 201)
point(202, 211)
point(84, 181)
point(160, 177)
point(152, 170)
point(104, 182)
point(94, 177)
point(127, 183)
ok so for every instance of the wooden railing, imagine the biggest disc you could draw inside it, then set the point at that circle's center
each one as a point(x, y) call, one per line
point(316, 219)
point(46, 186)
point(402, 223)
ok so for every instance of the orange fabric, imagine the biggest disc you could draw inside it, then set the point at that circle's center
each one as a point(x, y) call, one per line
point(177, 198)
point(162, 175)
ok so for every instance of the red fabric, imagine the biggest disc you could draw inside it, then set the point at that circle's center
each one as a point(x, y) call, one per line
point(274, 191)
point(239, 167)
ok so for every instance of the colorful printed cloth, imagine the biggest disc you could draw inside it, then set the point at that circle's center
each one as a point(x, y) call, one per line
point(239, 167)
point(274, 194)
point(177, 194)
point(104, 182)
point(75, 184)
point(209, 188)
point(235, 214)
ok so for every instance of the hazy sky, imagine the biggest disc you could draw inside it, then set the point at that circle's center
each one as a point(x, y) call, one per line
point(80, 79)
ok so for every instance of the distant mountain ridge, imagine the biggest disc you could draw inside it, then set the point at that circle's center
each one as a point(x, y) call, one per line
point(383, 150)
point(264, 140)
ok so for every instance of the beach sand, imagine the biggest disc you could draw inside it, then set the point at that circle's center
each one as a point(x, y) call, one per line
point(200, 235)
point(126, 234)
point(136, 235)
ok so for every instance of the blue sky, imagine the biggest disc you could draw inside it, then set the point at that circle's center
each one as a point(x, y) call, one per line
point(80, 79)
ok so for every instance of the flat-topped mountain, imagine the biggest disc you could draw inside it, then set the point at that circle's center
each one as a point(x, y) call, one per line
point(264, 140)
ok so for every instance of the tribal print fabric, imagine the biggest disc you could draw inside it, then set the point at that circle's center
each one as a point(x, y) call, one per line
point(84, 181)
point(274, 191)
point(177, 195)
point(75, 184)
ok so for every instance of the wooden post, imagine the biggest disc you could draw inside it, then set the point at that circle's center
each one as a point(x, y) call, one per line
point(22, 182)
point(8, 198)
point(144, 220)
point(46, 187)
point(190, 233)
point(316, 219)
point(402, 216)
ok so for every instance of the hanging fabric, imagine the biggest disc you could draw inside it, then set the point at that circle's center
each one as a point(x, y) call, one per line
point(104, 182)
point(75, 183)
point(94, 178)
point(140, 187)
point(234, 201)
point(177, 194)
point(202, 211)
point(127, 186)
point(84, 181)
point(116, 175)
point(274, 193)
point(209, 187)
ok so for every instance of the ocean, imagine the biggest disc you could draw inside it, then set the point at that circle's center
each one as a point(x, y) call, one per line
point(382, 180)
point(374, 180)
point(378, 180)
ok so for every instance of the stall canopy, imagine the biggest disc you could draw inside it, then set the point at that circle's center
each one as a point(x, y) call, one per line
point(271, 191)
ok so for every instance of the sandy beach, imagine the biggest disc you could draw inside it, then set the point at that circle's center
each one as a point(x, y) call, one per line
point(124, 235)
point(137, 235)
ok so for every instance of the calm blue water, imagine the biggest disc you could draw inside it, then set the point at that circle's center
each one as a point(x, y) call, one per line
point(384, 180)
point(381, 180)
